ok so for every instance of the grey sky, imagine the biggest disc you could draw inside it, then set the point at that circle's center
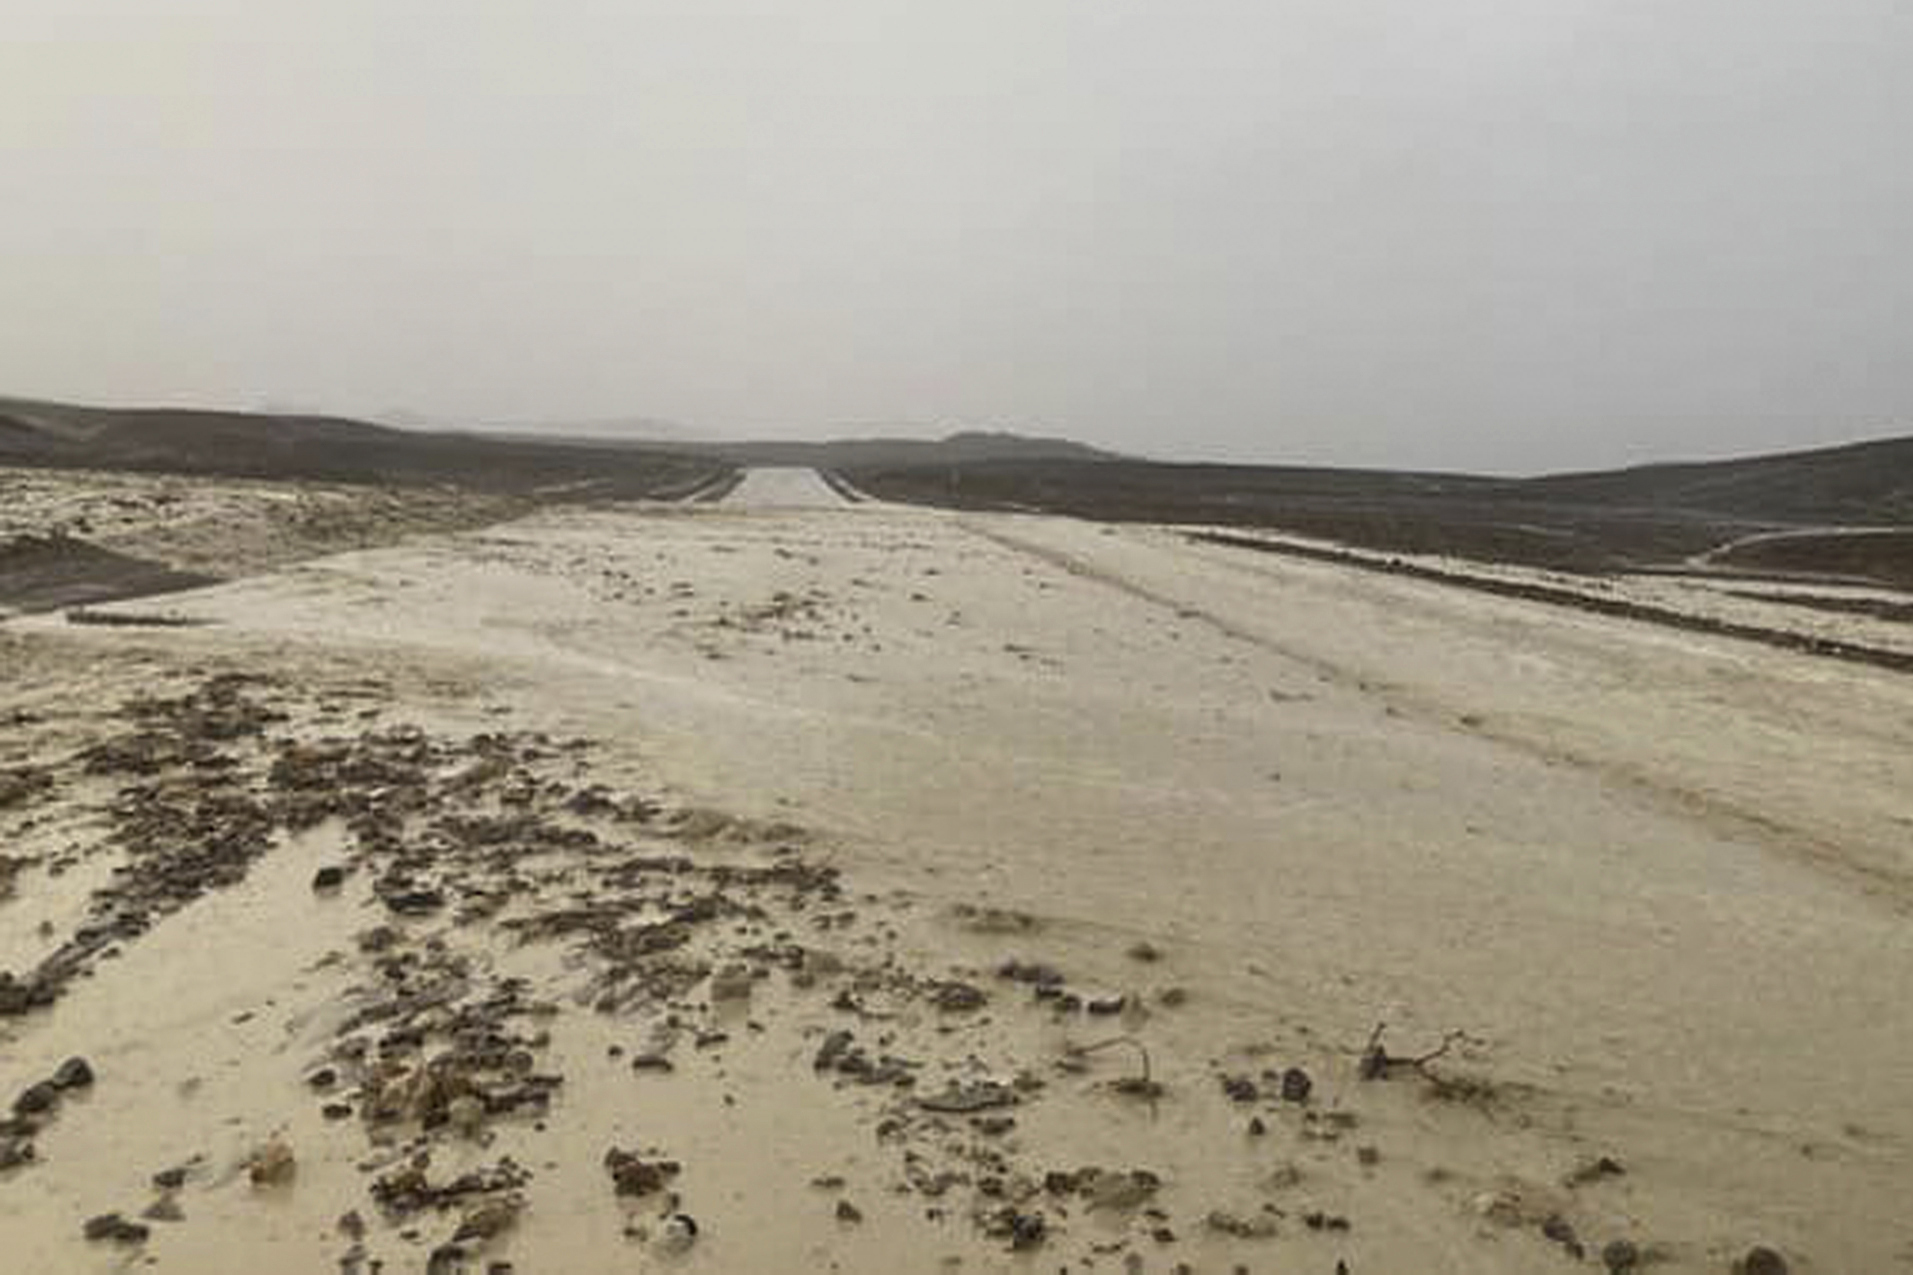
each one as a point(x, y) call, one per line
point(1457, 233)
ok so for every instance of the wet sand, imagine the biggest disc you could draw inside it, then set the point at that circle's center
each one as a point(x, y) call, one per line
point(705, 787)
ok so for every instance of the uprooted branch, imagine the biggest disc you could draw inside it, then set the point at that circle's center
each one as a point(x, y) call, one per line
point(1377, 1063)
point(1139, 1086)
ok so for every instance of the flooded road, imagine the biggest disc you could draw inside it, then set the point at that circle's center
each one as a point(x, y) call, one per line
point(1651, 887)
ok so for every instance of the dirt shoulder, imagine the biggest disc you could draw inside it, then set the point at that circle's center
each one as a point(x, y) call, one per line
point(73, 538)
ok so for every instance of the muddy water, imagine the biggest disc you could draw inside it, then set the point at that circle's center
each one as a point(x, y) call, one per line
point(1659, 881)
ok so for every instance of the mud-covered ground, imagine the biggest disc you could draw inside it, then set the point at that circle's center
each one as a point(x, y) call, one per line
point(69, 538)
point(774, 885)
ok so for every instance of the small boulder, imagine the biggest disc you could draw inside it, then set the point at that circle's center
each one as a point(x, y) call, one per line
point(164, 1209)
point(1561, 1231)
point(489, 1220)
point(272, 1164)
point(35, 1099)
point(74, 1073)
point(1620, 1255)
point(631, 1174)
point(958, 998)
point(113, 1227)
point(678, 1234)
point(1240, 1089)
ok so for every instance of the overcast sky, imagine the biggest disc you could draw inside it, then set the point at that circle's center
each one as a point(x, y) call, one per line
point(1457, 233)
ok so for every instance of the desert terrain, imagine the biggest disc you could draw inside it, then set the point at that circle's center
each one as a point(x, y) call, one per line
point(794, 881)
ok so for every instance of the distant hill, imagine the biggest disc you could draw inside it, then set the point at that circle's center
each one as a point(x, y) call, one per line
point(962, 448)
point(1869, 482)
point(642, 431)
point(323, 448)
point(263, 444)
point(1857, 483)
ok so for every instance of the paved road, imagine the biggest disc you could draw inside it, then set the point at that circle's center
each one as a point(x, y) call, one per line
point(784, 488)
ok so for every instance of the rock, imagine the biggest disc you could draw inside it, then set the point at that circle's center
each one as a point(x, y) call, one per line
point(466, 1113)
point(1240, 1089)
point(415, 902)
point(1761, 1260)
point(1144, 951)
point(1500, 1207)
point(1296, 1085)
point(272, 1164)
point(15, 997)
point(35, 1099)
point(74, 1073)
point(1620, 1255)
point(489, 1220)
point(113, 1227)
point(1035, 973)
point(330, 877)
point(964, 1099)
point(446, 1259)
point(1024, 1231)
point(958, 998)
point(848, 1212)
point(1594, 1170)
point(733, 983)
point(832, 1050)
point(1104, 1006)
point(678, 1233)
point(164, 1209)
point(631, 1174)
point(14, 1152)
point(1259, 1227)
point(1561, 1231)
point(1121, 1192)
point(1256, 1127)
point(170, 1179)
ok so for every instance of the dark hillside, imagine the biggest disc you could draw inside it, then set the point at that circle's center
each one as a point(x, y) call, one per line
point(1656, 518)
point(318, 448)
point(1868, 482)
